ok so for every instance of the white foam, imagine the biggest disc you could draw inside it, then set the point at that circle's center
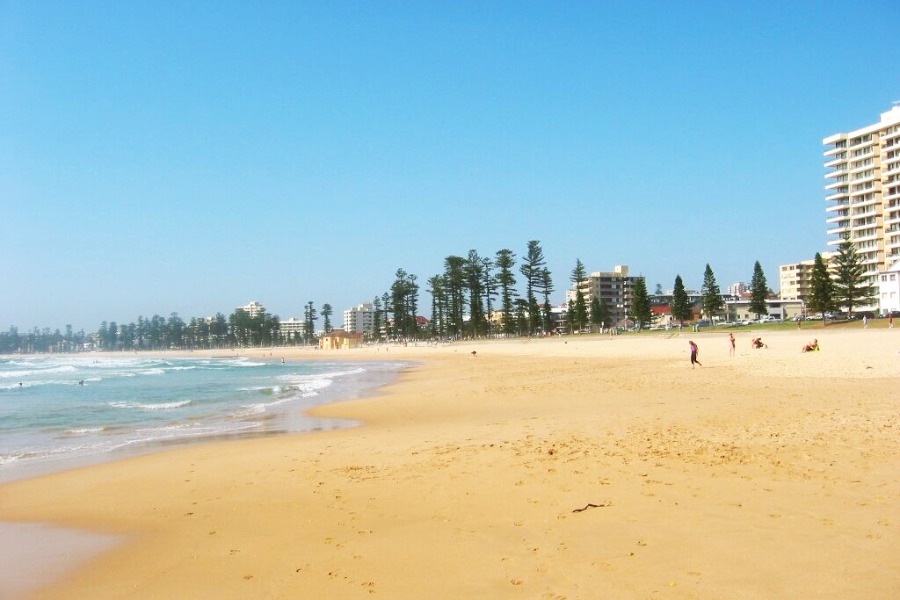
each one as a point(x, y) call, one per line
point(160, 406)
point(36, 372)
point(84, 430)
point(152, 372)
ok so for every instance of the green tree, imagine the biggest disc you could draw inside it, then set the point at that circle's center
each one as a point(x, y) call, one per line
point(112, 338)
point(641, 303)
point(571, 325)
point(102, 336)
point(821, 297)
point(327, 311)
point(532, 270)
point(239, 324)
point(438, 306)
point(546, 290)
point(219, 330)
point(711, 295)
point(600, 314)
point(474, 273)
point(489, 289)
point(506, 281)
point(851, 287)
point(759, 291)
point(579, 312)
point(310, 316)
point(455, 287)
point(404, 299)
point(521, 316)
point(176, 330)
point(386, 315)
point(681, 303)
point(377, 319)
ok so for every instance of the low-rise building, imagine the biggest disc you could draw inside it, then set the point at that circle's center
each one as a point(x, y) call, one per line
point(739, 309)
point(889, 290)
point(340, 340)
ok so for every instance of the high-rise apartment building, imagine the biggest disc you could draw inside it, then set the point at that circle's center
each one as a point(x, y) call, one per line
point(615, 289)
point(253, 309)
point(863, 191)
point(360, 319)
point(738, 289)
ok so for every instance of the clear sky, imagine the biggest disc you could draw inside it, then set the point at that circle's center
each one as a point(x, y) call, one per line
point(190, 157)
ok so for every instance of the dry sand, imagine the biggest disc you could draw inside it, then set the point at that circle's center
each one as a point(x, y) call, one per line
point(576, 467)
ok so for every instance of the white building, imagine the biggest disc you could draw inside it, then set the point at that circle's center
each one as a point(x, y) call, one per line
point(889, 289)
point(293, 329)
point(736, 289)
point(253, 309)
point(796, 278)
point(863, 191)
point(615, 289)
point(360, 319)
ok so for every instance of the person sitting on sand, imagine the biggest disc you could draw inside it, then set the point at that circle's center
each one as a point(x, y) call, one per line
point(812, 347)
point(757, 343)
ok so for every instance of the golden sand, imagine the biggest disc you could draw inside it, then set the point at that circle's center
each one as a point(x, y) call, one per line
point(576, 467)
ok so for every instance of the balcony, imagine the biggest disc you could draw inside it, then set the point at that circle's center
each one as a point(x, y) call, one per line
point(869, 237)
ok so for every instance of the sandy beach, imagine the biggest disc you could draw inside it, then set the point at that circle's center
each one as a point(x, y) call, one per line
point(563, 468)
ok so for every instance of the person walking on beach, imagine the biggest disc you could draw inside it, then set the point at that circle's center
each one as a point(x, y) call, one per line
point(731, 341)
point(694, 351)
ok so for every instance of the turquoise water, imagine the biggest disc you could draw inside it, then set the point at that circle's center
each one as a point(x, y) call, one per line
point(67, 407)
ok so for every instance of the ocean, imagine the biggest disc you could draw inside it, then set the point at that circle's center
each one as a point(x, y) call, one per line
point(62, 410)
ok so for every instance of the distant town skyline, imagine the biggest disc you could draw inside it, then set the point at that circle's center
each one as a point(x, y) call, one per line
point(162, 157)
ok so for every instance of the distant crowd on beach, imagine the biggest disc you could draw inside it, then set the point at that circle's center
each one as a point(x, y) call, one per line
point(755, 343)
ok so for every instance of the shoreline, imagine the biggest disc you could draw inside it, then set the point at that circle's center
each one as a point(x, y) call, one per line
point(291, 419)
point(792, 458)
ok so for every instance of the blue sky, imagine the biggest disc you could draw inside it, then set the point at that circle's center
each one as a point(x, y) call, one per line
point(160, 157)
